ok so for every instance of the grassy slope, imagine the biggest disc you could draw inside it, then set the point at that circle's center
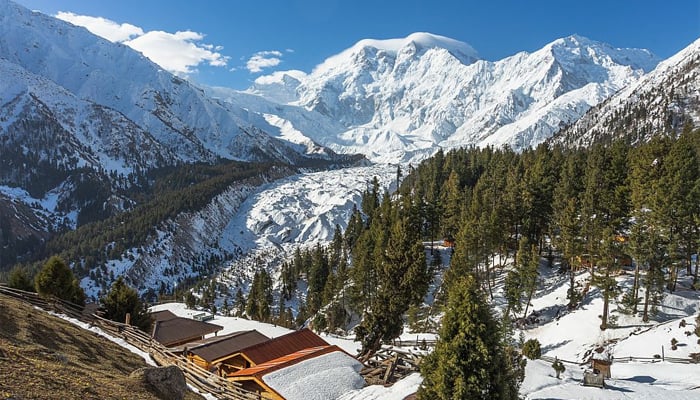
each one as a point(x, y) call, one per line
point(44, 357)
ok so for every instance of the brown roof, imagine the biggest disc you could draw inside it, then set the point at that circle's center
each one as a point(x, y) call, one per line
point(162, 315)
point(285, 361)
point(282, 346)
point(215, 348)
point(178, 330)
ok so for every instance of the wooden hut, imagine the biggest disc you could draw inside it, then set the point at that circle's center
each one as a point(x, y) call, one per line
point(274, 348)
point(316, 373)
point(213, 353)
point(171, 332)
point(601, 366)
point(449, 241)
point(600, 369)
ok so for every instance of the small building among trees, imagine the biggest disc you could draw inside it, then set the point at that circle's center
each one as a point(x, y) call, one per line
point(600, 369)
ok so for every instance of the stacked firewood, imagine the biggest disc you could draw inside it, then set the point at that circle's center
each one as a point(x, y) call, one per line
point(389, 365)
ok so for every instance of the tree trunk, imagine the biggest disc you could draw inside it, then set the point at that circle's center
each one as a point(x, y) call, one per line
point(572, 286)
point(606, 304)
point(529, 297)
point(673, 279)
point(645, 313)
point(635, 288)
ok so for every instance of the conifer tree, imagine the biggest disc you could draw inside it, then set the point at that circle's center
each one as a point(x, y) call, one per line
point(403, 278)
point(19, 279)
point(239, 303)
point(528, 261)
point(470, 360)
point(121, 300)
point(647, 243)
point(56, 279)
point(259, 305)
point(606, 272)
point(451, 204)
point(680, 204)
point(566, 230)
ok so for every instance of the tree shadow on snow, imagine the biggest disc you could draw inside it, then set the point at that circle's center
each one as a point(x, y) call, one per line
point(640, 379)
point(617, 389)
point(554, 346)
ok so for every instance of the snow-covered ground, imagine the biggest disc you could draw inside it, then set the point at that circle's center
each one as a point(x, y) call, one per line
point(641, 381)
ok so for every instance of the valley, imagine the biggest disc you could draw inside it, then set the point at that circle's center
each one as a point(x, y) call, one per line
point(394, 185)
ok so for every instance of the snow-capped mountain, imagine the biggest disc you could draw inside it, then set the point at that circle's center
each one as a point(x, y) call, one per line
point(84, 120)
point(401, 99)
point(178, 115)
point(661, 102)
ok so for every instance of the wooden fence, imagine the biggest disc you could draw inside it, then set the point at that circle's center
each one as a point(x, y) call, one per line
point(197, 377)
point(628, 359)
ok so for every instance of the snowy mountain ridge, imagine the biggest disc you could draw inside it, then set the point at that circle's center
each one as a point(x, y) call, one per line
point(662, 101)
point(176, 113)
point(402, 99)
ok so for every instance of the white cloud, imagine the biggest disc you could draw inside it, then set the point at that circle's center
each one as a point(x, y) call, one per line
point(176, 52)
point(264, 59)
point(105, 28)
point(180, 52)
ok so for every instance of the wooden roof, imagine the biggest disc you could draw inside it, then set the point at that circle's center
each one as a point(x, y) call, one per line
point(284, 361)
point(212, 349)
point(178, 330)
point(282, 346)
point(162, 315)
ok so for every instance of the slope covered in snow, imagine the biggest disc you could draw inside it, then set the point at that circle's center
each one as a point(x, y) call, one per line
point(177, 114)
point(401, 99)
point(661, 102)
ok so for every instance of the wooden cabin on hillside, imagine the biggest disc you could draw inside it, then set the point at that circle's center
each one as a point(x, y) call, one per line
point(273, 348)
point(315, 373)
point(213, 353)
point(171, 330)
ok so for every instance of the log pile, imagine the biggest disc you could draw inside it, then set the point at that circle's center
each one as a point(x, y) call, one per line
point(389, 365)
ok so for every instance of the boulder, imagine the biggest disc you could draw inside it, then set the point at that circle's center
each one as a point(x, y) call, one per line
point(167, 382)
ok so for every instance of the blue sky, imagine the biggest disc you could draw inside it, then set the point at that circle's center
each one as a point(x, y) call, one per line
point(232, 42)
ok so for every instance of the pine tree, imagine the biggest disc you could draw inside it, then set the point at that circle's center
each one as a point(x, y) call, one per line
point(259, 305)
point(318, 277)
point(647, 242)
point(20, 279)
point(470, 360)
point(566, 234)
point(528, 261)
point(451, 204)
point(121, 300)
point(403, 278)
point(56, 279)
point(680, 204)
point(239, 303)
point(606, 272)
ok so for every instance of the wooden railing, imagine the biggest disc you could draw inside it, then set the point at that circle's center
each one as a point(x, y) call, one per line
point(197, 377)
point(628, 359)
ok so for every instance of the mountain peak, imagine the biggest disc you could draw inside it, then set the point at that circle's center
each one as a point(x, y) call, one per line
point(422, 41)
point(576, 48)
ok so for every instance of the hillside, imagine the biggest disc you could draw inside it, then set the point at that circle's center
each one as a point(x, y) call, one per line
point(663, 101)
point(45, 357)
